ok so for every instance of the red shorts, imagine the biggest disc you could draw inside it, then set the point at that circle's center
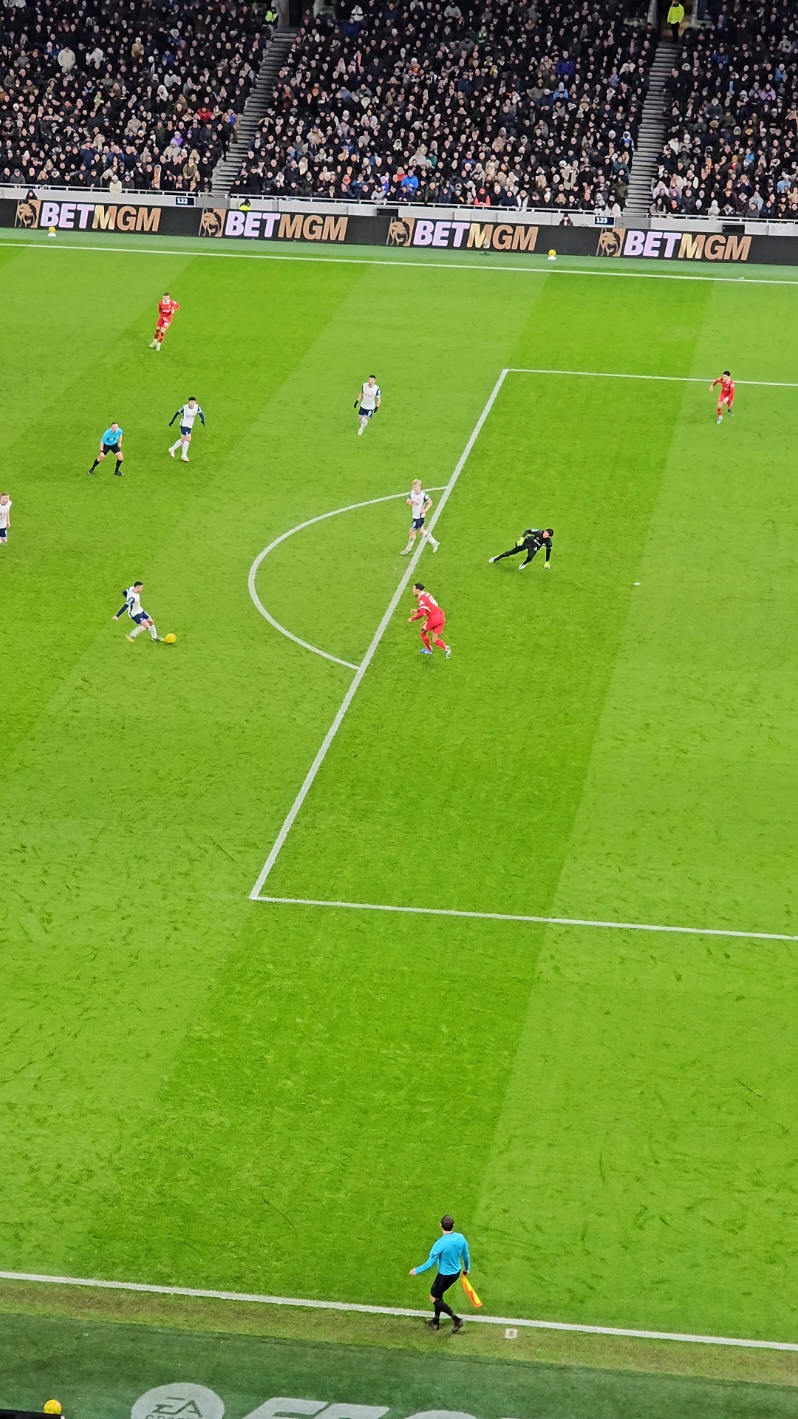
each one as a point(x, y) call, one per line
point(163, 325)
point(435, 623)
point(725, 399)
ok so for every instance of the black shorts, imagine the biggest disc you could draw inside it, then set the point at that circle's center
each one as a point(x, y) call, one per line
point(112, 448)
point(442, 1283)
point(365, 413)
point(3, 534)
point(417, 524)
point(185, 431)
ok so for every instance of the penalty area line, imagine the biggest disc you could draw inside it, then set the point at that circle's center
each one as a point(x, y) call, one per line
point(360, 671)
point(666, 378)
point(253, 1299)
point(310, 777)
point(531, 920)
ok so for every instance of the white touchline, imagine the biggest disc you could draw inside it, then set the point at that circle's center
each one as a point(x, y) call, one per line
point(300, 527)
point(667, 378)
point(370, 653)
point(531, 920)
point(253, 1299)
point(541, 270)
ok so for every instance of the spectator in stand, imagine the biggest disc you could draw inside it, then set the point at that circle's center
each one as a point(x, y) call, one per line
point(515, 103)
point(121, 96)
point(732, 147)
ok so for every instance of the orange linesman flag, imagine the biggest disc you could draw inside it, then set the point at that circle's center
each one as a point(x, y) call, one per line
point(470, 1292)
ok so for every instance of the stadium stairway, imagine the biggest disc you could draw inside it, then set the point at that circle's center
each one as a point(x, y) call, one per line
point(651, 136)
point(228, 168)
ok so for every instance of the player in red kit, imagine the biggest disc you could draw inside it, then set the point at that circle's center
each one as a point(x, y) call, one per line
point(726, 395)
point(434, 620)
point(166, 310)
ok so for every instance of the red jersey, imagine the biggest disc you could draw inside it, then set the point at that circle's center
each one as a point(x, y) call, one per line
point(427, 606)
point(726, 387)
point(166, 310)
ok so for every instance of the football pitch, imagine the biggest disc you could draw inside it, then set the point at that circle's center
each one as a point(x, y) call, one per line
point(456, 988)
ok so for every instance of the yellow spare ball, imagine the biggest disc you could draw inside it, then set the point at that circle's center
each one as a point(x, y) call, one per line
point(552, 255)
point(53, 1407)
point(170, 639)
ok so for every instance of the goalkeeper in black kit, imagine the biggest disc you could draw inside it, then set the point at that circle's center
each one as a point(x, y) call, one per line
point(530, 541)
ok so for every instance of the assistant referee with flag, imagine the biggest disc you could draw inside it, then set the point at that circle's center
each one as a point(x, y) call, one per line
point(448, 1253)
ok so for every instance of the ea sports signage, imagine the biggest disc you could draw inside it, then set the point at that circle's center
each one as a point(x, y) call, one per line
point(193, 1401)
point(178, 1401)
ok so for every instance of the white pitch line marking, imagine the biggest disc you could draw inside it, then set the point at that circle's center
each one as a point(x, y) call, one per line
point(541, 270)
point(353, 507)
point(300, 527)
point(395, 1311)
point(310, 777)
point(370, 653)
point(668, 378)
point(531, 920)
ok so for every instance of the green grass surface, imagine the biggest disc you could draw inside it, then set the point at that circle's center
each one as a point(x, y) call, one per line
point(101, 1371)
point(94, 1308)
point(201, 1090)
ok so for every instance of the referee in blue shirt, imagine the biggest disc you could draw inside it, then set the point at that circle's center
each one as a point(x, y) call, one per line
point(448, 1253)
point(111, 442)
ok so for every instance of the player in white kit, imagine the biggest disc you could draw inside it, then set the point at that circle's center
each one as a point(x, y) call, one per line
point(131, 605)
point(187, 413)
point(5, 518)
point(368, 402)
point(419, 503)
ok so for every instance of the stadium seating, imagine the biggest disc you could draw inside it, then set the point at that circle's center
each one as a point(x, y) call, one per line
point(516, 104)
point(732, 145)
point(122, 95)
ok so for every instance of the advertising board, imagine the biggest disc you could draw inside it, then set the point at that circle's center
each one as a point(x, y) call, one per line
point(519, 234)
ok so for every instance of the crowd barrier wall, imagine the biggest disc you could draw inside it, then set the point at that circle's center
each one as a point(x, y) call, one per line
point(489, 232)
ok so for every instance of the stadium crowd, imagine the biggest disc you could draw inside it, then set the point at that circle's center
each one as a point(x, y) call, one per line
point(512, 103)
point(123, 94)
point(732, 146)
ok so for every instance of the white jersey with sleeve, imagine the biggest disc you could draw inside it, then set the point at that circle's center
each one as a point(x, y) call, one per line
point(417, 502)
point(5, 509)
point(188, 413)
point(133, 602)
point(369, 395)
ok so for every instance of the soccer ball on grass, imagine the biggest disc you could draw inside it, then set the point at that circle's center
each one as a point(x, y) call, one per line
point(170, 639)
